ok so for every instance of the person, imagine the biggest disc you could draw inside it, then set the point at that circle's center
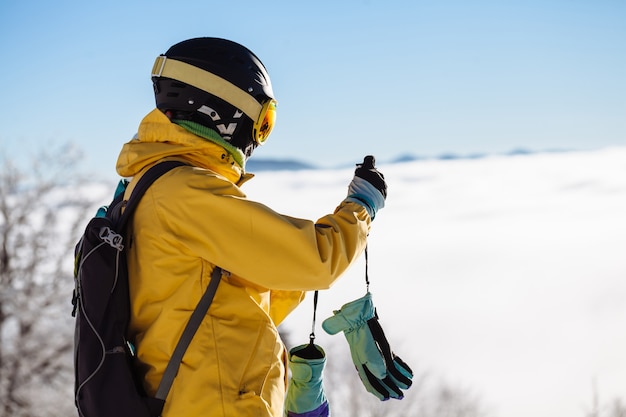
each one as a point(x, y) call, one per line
point(214, 106)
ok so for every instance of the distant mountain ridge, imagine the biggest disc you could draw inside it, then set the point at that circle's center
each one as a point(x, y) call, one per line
point(253, 165)
point(273, 164)
point(446, 156)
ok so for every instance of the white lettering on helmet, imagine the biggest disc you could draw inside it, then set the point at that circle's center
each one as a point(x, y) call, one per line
point(227, 130)
point(209, 112)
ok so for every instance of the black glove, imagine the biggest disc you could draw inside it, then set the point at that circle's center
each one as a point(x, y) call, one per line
point(368, 187)
point(369, 173)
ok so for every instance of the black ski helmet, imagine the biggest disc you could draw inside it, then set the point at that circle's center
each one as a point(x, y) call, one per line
point(219, 84)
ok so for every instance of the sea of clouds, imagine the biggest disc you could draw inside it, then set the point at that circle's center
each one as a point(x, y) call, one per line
point(504, 274)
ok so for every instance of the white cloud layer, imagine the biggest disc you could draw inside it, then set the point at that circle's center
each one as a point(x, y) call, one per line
point(504, 274)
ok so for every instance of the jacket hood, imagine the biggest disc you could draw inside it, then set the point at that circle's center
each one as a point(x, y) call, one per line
point(158, 138)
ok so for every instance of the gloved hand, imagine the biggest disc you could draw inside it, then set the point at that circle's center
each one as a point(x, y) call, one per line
point(305, 393)
point(368, 187)
point(382, 372)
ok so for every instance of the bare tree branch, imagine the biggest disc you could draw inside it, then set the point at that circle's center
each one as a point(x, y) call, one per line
point(40, 217)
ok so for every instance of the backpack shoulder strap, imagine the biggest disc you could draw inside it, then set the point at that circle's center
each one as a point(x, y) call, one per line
point(142, 185)
point(207, 298)
point(190, 330)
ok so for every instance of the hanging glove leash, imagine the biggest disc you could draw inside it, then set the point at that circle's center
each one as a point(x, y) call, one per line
point(367, 278)
point(305, 392)
point(312, 335)
point(381, 371)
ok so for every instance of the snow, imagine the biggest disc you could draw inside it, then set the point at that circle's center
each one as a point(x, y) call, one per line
point(506, 274)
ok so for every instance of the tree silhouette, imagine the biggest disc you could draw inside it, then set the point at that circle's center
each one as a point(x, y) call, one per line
point(41, 212)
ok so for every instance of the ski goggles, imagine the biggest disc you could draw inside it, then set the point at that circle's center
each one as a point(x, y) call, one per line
point(265, 122)
point(263, 114)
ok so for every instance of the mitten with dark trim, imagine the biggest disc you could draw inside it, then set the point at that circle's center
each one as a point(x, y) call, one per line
point(305, 393)
point(382, 372)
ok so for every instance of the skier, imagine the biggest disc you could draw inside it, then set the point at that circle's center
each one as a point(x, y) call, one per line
point(215, 105)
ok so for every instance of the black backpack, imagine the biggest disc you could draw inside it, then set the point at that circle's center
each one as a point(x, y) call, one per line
point(106, 384)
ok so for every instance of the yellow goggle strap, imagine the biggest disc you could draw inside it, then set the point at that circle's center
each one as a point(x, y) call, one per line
point(209, 82)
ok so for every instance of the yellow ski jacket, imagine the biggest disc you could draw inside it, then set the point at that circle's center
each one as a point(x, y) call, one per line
point(194, 218)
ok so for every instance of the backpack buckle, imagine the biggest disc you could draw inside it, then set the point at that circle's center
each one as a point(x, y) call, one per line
point(113, 239)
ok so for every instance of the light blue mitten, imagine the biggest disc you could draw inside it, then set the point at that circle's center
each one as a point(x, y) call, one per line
point(305, 393)
point(382, 372)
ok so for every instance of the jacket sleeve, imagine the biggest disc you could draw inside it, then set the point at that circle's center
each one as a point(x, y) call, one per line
point(213, 219)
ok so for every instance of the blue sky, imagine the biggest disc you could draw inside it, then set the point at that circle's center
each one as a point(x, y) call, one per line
point(351, 77)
